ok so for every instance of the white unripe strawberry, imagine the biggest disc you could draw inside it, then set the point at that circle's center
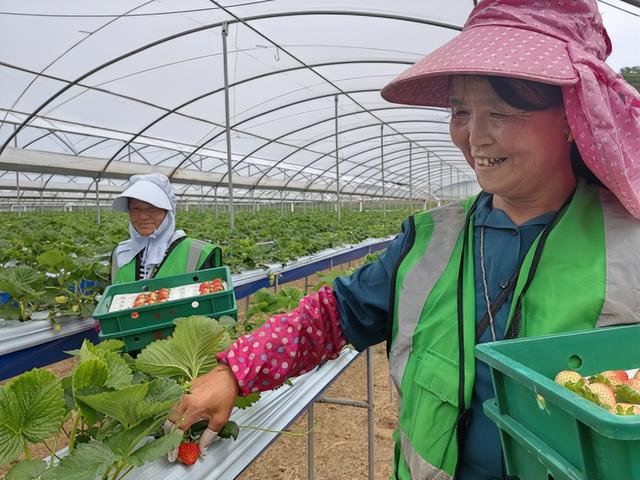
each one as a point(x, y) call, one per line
point(605, 395)
point(566, 376)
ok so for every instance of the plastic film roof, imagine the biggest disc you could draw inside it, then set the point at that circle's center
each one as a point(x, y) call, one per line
point(97, 91)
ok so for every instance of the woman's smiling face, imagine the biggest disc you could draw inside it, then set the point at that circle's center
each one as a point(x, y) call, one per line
point(515, 153)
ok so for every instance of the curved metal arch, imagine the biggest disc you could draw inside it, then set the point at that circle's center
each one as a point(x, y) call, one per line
point(396, 174)
point(357, 128)
point(118, 17)
point(356, 165)
point(297, 149)
point(438, 174)
point(348, 145)
point(282, 107)
point(240, 82)
point(402, 159)
point(364, 151)
point(50, 133)
point(348, 159)
point(133, 52)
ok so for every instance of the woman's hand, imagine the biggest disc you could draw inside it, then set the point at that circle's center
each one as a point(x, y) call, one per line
point(211, 398)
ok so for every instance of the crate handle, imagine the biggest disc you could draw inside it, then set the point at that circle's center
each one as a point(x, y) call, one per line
point(532, 443)
point(196, 278)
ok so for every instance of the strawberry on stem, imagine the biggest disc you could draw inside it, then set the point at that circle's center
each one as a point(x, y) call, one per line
point(188, 452)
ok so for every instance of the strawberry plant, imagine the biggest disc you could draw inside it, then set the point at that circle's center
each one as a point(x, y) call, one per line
point(115, 405)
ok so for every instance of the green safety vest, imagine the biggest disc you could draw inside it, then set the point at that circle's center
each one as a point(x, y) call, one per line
point(587, 276)
point(187, 256)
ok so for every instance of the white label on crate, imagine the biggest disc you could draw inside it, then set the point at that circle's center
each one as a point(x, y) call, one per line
point(122, 301)
point(184, 291)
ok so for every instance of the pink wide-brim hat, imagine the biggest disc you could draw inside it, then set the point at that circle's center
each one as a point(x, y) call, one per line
point(557, 42)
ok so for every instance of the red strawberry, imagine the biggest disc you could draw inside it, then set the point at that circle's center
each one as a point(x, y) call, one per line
point(188, 452)
point(566, 376)
point(616, 377)
point(605, 395)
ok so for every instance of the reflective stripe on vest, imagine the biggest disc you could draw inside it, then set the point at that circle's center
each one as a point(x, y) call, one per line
point(448, 222)
point(195, 250)
point(419, 469)
point(622, 300)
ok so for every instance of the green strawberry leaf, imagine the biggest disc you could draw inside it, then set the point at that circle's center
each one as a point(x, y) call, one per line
point(35, 406)
point(156, 448)
point(163, 389)
point(190, 352)
point(86, 462)
point(27, 470)
point(127, 405)
point(124, 441)
point(247, 400)
point(626, 394)
point(111, 344)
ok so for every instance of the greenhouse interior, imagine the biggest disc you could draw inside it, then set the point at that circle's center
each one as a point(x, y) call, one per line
point(266, 118)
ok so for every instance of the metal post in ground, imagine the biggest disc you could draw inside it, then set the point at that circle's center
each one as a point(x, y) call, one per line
point(370, 417)
point(310, 468)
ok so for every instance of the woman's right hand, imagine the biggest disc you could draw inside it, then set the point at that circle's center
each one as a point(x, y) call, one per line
point(212, 397)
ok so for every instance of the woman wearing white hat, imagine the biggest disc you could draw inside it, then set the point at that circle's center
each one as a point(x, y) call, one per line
point(550, 245)
point(156, 248)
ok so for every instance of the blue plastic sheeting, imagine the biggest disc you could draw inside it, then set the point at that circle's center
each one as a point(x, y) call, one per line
point(21, 349)
point(24, 346)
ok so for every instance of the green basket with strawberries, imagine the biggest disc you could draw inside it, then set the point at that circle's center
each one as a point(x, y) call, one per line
point(140, 312)
point(586, 425)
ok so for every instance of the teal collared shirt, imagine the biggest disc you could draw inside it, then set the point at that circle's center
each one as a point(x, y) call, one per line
point(505, 246)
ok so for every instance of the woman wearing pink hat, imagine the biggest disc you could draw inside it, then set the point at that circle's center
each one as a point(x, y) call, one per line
point(550, 245)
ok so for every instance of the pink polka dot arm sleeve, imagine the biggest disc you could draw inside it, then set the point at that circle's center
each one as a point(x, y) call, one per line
point(288, 344)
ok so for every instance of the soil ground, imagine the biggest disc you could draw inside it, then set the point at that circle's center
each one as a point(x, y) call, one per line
point(340, 432)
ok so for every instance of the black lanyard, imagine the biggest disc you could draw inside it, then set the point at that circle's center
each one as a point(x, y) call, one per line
point(514, 328)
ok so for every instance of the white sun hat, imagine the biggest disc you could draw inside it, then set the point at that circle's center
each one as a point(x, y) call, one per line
point(154, 188)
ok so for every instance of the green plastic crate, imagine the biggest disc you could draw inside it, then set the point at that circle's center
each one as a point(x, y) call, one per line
point(138, 338)
point(547, 431)
point(161, 315)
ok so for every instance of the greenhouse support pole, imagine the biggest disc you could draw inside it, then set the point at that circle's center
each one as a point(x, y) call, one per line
point(384, 202)
point(451, 179)
point(411, 178)
point(335, 117)
point(98, 200)
point(41, 201)
point(281, 203)
point(18, 191)
point(225, 28)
